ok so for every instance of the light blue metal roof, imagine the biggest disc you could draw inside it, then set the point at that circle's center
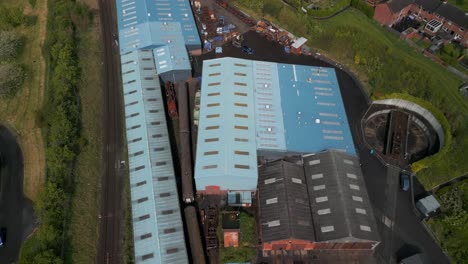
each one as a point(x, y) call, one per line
point(313, 112)
point(157, 223)
point(297, 109)
point(171, 57)
point(226, 151)
point(136, 19)
point(268, 112)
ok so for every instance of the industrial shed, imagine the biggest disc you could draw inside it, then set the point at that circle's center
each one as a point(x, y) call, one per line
point(157, 224)
point(136, 20)
point(165, 26)
point(341, 209)
point(297, 109)
point(226, 154)
point(285, 216)
point(319, 202)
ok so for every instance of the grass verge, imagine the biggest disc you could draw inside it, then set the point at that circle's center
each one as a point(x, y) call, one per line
point(20, 110)
point(83, 230)
point(386, 64)
point(450, 226)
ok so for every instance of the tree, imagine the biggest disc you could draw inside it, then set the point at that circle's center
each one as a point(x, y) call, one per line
point(273, 8)
point(11, 77)
point(47, 257)
point(9, 43)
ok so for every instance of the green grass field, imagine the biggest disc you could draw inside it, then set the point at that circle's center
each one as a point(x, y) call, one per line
point(83, 231)
point(20, 110)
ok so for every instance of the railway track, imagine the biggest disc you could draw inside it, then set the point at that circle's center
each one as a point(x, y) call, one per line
point(109, 226)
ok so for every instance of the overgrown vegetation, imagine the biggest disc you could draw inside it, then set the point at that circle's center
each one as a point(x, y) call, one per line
point(60, 119)
point(247, 247)
point(450, 226)
point(11, 72)
point(11, 17)
point(386, 64)
point(128, 249)
point(364, 7)
point(83, 229)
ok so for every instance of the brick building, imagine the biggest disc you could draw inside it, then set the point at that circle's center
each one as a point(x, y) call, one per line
point(441, 18)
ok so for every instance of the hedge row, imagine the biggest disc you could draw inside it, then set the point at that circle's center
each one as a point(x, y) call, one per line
point(60, 120)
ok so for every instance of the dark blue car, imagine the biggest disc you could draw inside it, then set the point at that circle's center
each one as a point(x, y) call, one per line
point(404, 182)
point(247, 50)
point(2, 237)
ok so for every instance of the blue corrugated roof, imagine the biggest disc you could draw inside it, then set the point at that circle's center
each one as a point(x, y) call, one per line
point(313, 112)
point(171, 58)
point(268, 112)
point(226, 151)
point(137, 20)
point(157, 223)
point(297, 109)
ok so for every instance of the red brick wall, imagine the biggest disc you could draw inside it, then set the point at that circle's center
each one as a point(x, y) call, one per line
point(293, 244)
point(385, 16)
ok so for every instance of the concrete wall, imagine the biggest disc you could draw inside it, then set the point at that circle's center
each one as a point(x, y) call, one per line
point(407, 105)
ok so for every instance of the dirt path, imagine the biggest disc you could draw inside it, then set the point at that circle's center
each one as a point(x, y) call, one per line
point(32, 142)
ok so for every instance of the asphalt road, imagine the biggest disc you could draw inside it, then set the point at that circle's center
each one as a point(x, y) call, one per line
point(109, 249)
point(16, 213)
point(400, 228)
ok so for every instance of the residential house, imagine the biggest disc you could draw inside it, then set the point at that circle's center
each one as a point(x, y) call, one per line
point(441, 18)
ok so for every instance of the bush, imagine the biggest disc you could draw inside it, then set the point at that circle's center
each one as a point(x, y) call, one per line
point(60, 118)
point(450, 226)
point(362, 6)
point(11, 16)
point(273, 8)
point(323, 13)
point(11, 78)
point(9, 44)
point(32, 3)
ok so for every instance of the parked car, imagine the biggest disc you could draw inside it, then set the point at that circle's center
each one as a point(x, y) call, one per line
point(247, 50)
point(404, 181)
point(3, 237)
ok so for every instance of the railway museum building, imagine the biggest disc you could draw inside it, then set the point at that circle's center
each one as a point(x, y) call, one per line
point(155, 40)
point(251, 109)
point(280, 131)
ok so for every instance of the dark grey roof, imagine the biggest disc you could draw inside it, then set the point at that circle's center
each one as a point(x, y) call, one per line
point(398, 5)
point(429, 5)
point(283, 202)
point(341, 210)
point(453, 14)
